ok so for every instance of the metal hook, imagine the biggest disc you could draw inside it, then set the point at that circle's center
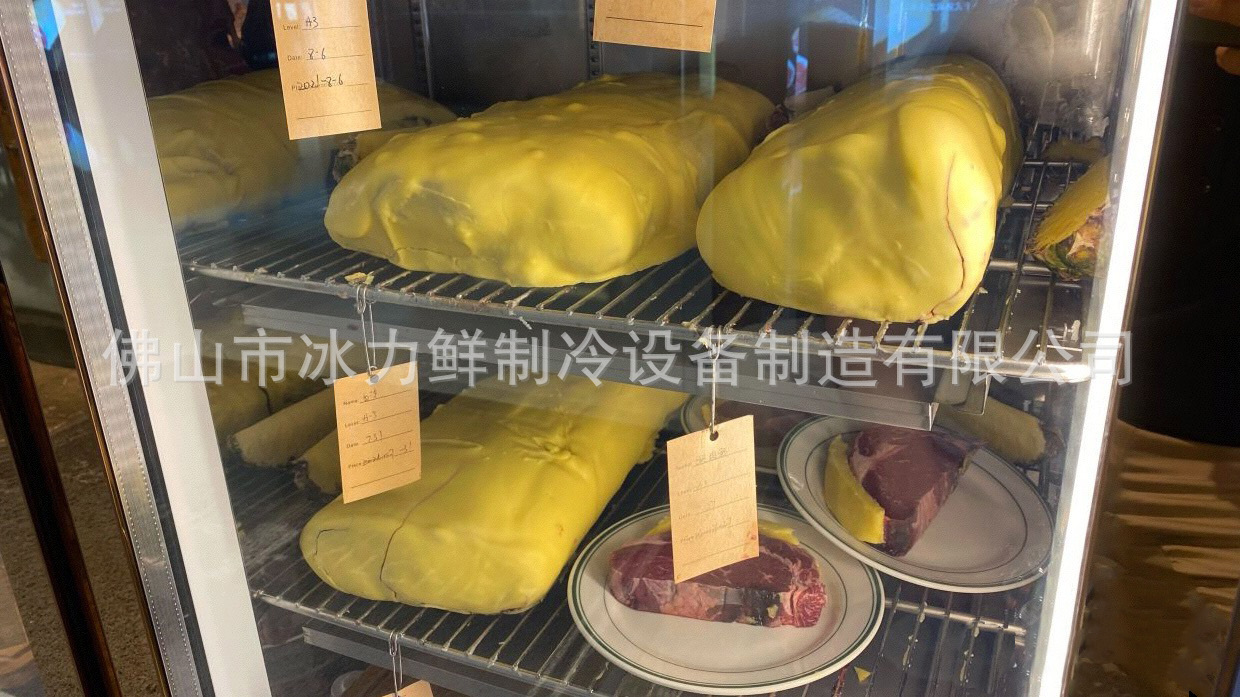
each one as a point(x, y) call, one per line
point(398, 668)
point(365, 311)
point(714, 346)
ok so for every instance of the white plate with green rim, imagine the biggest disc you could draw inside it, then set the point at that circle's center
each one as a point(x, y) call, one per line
point(992, 534)
point(722, 658)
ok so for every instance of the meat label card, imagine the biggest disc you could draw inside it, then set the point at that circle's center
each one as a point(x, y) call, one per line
point(326, 66)
point(714, 498)
point(687, 25)
point(379, 430)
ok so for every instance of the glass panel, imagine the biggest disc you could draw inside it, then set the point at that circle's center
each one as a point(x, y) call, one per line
point(26, 597)
point(885, 215)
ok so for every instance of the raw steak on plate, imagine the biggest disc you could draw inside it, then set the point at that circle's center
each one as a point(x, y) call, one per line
point(780, 587)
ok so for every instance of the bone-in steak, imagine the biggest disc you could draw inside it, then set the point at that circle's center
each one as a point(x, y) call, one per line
point(779, 587)
point(910, 474)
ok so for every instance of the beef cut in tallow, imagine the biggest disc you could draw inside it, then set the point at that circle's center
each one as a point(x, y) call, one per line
point(512, 479)
point(224, 148)
point(889, 487)
point(599, 181)
point(879, 205)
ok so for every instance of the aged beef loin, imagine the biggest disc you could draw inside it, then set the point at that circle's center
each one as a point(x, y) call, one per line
point(779, 587)
point(910, 474)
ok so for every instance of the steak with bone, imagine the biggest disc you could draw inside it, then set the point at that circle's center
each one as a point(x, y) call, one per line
point(780, 587)
point(910, 474)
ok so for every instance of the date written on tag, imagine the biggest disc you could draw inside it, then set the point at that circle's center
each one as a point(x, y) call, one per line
point(326, 66)
point(714, 498)
point(380, 434)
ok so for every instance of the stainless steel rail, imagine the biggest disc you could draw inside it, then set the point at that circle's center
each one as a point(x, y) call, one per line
point(1035, 316)
point(931, 643)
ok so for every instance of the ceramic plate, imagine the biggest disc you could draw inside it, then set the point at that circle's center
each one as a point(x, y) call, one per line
point(992, 534)
point(723, 658)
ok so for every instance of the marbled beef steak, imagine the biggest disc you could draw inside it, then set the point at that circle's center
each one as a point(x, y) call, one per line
point(779, 587)
point(910, 474)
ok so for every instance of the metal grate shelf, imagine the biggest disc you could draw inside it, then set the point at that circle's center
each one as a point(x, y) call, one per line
point(1035, 315)
point(931, 643)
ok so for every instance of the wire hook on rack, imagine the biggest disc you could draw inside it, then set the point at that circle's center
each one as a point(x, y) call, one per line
point(398, 667)
point(365, 310)
point(712, 339)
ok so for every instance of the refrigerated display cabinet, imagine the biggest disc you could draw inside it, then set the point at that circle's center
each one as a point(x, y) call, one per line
point(214, 512)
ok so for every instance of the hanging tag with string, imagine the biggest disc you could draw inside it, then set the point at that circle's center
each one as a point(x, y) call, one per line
point(712, 486)
point(377, 416)
point(419, 688)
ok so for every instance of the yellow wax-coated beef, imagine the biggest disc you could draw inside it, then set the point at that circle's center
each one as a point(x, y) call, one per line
point(596, 182)
point(512, 479)
point(223, 145)
point(880, 204)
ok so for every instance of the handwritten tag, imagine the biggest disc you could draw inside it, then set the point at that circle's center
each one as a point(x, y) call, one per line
point(687, 25)
point(420, 688)
point(714, 498)
point(326, 66)
point(380, 432)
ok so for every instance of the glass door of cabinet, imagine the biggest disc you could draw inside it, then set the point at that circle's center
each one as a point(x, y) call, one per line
point(851, 223)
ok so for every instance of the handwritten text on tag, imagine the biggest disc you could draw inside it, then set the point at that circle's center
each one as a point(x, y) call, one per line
point(714, 498)
point(326, 66)
point(380, 434)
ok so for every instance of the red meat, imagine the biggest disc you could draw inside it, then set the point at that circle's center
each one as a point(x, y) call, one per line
point(779, 587)
point(910, 474)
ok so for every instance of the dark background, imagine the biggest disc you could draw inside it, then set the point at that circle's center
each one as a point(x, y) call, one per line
point(1186, 316)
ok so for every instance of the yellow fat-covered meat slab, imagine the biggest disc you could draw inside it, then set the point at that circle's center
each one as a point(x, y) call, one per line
point(1069, 237)
point(596, 182)
point(848, 500)
point(287, 433)
point(323, 463)
point(223, 145)
point(1012, 434)
point(880, 204)
point(235, 403)
point(512, 479)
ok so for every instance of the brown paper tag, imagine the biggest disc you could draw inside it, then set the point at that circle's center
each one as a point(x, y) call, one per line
point(380, 432)
point(326, 66)
point(714, 498)
point(420, 688)
point(688, 25)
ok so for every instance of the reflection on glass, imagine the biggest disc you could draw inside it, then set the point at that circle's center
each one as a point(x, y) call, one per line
point(19, 676)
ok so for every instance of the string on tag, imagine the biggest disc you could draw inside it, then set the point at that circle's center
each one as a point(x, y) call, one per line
point(714, 345)
point(398, 668)
point(365, 311)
